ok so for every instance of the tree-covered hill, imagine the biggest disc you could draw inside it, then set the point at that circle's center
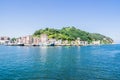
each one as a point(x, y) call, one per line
point(72, 33)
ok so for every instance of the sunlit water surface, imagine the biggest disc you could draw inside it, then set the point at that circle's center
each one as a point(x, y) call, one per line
point(60, 63)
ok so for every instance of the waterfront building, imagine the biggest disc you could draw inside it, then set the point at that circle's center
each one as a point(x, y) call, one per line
point(36, 41)
point(77, 41)
point(72, 42)
point(28, 40)
point(23, 40)
point(83, 43)
point(96, 42)
point(4, 40)
point(58, 42)
point(18, 40)
point(65, 42)
point(43, 38)
point(52, 41)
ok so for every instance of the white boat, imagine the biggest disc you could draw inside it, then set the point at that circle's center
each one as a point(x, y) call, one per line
point(47, 44)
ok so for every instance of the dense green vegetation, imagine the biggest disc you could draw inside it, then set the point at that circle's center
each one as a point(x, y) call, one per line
point(71, 33)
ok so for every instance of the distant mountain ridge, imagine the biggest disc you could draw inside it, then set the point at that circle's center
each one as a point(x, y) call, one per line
point(72, 33)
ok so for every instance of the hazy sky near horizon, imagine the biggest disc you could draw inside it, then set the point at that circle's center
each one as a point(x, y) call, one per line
point(23, 17)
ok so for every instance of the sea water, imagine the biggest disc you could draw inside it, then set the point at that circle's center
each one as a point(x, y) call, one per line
point(100, 62)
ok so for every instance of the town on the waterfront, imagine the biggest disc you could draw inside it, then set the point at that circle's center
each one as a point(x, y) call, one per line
point(44, 39)
point(41, 41)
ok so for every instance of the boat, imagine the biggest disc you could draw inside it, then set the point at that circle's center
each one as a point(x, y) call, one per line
point(20, 44)
point(14, 44)
point(52, 44)
point(47, 44)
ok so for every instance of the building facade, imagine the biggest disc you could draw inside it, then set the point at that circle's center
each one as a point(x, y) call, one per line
point(4, 40)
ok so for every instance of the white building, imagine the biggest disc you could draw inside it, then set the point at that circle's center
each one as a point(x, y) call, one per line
point(4, 40)
point(58, 42)
point(96, 42)
point(83, 43)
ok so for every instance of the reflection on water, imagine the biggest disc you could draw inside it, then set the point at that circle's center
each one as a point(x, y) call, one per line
point(43, 51)
point(60, 63)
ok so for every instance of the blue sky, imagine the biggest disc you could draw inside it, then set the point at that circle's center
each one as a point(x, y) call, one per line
point(23, 17)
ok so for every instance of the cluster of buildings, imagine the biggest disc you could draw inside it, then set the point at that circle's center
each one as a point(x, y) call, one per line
point(35, 41)
point(42, 40)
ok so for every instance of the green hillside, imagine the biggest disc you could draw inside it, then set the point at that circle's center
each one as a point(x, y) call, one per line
point(72, 33)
